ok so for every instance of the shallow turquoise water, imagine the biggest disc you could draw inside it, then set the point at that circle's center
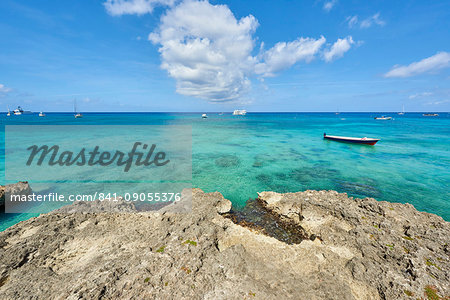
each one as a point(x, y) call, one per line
point(285, 152)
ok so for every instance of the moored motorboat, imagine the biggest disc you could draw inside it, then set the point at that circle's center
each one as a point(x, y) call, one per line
point(383, 118)
point(353, 140)
point(430, 115)
point(204, 116)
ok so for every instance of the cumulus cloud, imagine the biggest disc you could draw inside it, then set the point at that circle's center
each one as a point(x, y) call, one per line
point(139, 7)
point(353, 21)
point(209, 52)
point(433, 63)
point(338, 49)
point(206, 50)
point(328, 5)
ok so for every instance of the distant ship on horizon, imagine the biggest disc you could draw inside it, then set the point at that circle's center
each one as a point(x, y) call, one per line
point(19, 111)
point(239, 112)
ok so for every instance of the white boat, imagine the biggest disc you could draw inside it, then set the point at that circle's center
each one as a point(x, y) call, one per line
point(239, 112)
point(77, 115)
point(383, 118)
point(19, 111)
point(204, 116)
point(430, 115)
point(41, 114)
point(403, 111)
point(353, 140)
point(9, 113)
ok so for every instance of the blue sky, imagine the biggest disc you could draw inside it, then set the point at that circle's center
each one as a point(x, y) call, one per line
point(168, 55)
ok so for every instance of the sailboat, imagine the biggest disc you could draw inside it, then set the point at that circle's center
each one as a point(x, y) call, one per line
point(403, 110)
point(41, 114)
point(77, 115)
point(9, 113)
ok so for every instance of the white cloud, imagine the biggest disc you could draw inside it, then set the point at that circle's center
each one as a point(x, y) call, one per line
point(209, 52)
point(206, 50)
point(375, 19)
point(338, 49)
point(283, 55)
point(328, 5)
point(438, 102)
point(438, 61)
point(4, 90)
point(420, 95)
point(352, 21)
point(139, 7)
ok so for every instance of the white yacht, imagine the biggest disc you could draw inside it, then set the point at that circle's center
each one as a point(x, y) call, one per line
point(239, 112)
point(9, 113)
point(19, 111)
point(41, 114)
point(204, 116)
point(403, 111)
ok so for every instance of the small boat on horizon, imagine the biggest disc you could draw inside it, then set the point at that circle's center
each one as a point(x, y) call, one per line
point(383, 118)
point(239, 112)
point(352, 140)
point(77, 115)
point(9, 113)
point(403, 110)
point(41, 114)
point(204, 116)
point(430, 115)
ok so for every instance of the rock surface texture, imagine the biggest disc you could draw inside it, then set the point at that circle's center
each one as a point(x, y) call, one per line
point(357, 249)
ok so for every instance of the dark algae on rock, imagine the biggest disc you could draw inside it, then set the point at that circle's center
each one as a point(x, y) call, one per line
point(256, 217)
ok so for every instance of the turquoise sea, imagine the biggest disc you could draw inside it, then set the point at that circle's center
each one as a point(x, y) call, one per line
point(285, 152)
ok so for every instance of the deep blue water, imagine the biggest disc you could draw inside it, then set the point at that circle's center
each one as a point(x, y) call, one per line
point(285, 152)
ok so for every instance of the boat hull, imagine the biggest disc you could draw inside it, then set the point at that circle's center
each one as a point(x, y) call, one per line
point(370, 142)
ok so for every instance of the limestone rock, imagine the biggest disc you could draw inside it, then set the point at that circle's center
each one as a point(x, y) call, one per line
point(363, 249)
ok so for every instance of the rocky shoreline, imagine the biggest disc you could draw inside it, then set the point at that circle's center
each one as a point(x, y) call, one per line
point(311, 245)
